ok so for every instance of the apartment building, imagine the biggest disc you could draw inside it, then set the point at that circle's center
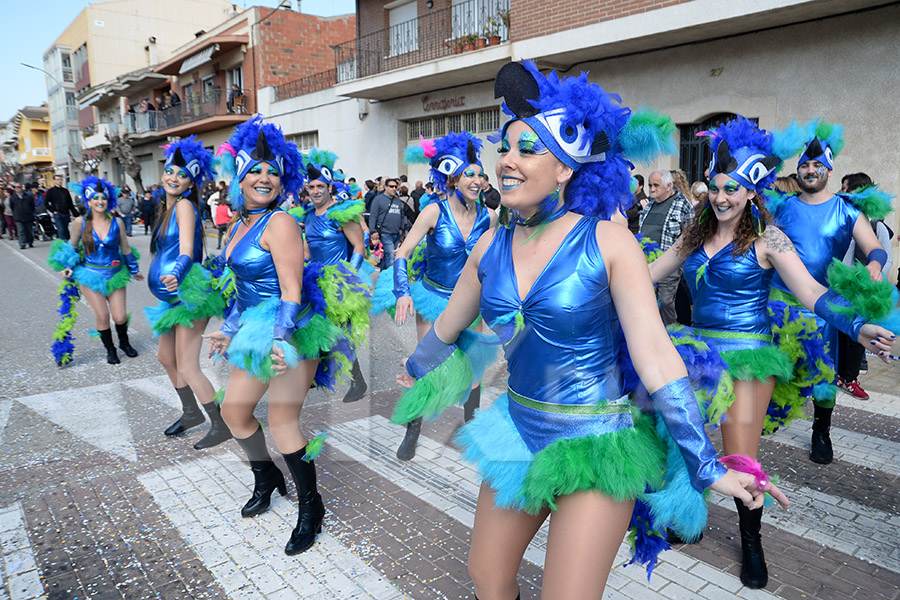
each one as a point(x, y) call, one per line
point(26, 148)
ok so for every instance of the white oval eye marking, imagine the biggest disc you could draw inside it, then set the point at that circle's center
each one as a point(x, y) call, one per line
point(448, 165)
point(752, 170)
point(829, 156)
point(573, 140)
point(326, 173)
point(241, 161)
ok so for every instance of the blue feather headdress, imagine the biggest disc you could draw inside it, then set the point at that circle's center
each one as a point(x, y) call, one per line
point(90, 186)
point(743, 151)
point(448, 156)
point(319, 166)
point(587, 129)
point(189, 154)
point(814, 140)
point(254, 142)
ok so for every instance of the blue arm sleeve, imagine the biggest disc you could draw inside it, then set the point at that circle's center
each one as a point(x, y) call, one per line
point(825, 308)
point(356, 260)
point(678, 408)
point(428, 355)
point(401, 279)
point(132, 263)
point(182, 266)
point(879, 255)
point(232, 322)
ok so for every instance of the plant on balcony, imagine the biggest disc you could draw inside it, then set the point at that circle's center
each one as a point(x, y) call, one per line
point(504, 18)
point(469, 42)
point(492, 30)
point(455, 45)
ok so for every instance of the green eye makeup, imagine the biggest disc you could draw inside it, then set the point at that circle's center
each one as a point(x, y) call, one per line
point(530, 143)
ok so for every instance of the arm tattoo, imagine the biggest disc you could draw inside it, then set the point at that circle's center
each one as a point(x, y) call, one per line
point(776, 241)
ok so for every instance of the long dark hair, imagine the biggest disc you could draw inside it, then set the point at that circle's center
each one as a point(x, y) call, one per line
point(704, 226)
point(164, 214)
point(87, 235)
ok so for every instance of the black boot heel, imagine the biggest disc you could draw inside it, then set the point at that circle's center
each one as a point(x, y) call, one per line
point(310, 508)
point(754, 573)
point(407, 449)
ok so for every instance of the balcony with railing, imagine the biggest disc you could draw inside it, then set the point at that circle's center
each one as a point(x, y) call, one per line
point(306, 85)
point(196, 113)
point(449, 33)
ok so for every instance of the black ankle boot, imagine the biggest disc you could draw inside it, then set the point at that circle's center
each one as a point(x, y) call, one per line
point(407, 448)
point(311, 510)
point(266, 476)
point(472, 402)
point(358, 385)
point(218, 430)
point(112, 356)
point(754, 573)
point(518, 596)
point(673, 538)
point(191, 415)
point(122, 332)
point(820, 444)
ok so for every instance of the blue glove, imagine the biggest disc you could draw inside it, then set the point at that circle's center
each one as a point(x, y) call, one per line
point(132, 263)
point(356, 260)
point(879, 255)
point(232, 322)
point(677, 406)
point(401, 279)
point(428, 355)
point(847, 325)
point(182, 266)
point(289, 319)
point(366, 238)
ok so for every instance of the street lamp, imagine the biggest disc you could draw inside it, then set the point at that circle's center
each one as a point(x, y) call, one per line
point(42, 71)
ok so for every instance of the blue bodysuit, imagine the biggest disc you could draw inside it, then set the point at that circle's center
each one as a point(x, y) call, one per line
point(255, 277)
point(820, 233)
point(167, 252)
point(106, 259)
point(327, 242)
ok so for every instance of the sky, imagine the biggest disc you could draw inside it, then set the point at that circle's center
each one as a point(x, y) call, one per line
point(27, 34)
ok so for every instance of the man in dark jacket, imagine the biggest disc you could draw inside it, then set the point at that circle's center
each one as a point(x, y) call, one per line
point(22, 204)
point(60, 205)
point(387, 221)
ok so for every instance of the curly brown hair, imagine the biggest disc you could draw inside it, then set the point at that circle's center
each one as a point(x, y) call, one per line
point(705, 225)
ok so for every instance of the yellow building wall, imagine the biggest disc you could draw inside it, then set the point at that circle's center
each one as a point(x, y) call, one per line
point(35, 142)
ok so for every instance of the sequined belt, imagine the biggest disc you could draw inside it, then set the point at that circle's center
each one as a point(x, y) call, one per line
point(613, 407)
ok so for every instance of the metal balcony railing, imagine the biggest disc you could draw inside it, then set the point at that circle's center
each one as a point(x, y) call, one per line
point(465, 26)
point(306, 85)
point(193, 107)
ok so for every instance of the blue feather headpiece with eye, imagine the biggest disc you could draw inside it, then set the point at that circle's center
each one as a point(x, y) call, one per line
point(254, 142)
point(190, 155)
point(448, 156)
point(90, 186)
point(320, 166)
point(587, 129)
point(814, 140)
point(744, 152)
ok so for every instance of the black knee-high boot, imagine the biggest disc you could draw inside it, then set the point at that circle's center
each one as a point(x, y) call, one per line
point(124, 344)
point(266, 476)
point(191, 415)
point(472, 402)
point(753, 564)
point(820, 444)
point(518, 596)
point(310, 508)
point(218, 430)
point(407, 447)
point(358, 385)
point(112, 356)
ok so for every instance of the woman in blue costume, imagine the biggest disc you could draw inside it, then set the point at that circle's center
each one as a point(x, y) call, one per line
point(281, 335)
point(451, 228)
point(99, 260)
point(333, 231)
point(187, 298)
point(730, 256)
point(556, 284)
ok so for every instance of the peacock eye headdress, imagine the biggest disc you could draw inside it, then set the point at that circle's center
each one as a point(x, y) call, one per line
point(91, 186)
point(587, 129)
point(190, 155)
point(341, 192)
point(814, 140)
point(448, 156)
point(744, 152)
point(254, 142)
point(320, 166)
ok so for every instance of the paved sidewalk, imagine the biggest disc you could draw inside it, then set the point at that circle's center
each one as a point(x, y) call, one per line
point(96, 503)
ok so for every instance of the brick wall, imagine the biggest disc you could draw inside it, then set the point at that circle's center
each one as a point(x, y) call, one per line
point(533, 18)
point(294, 45)
point(373, 16)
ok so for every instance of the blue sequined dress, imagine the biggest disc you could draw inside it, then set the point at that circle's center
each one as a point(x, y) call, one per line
point(104, 269)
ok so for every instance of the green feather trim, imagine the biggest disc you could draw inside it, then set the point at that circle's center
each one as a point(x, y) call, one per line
point(873, 300)
point(226, 285)
point(872, 201)
point(317, 337)
point(344, 307)
point(759, 364)
point(348, 211)
point(438, 390)
point(119, 280)
point(314, 447)
point(785, 395)
point(219, 397)
point(299, 212)
point(712, 403)
point(621, 465)
point(701, 273)
point(198, 301)
point(415, 267)
point(832, 135)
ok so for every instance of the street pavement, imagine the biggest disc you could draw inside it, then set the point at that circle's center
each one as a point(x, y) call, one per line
point(95, 502)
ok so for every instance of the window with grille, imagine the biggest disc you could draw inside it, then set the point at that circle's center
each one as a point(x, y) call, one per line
point(475, 121)
point(305, 141)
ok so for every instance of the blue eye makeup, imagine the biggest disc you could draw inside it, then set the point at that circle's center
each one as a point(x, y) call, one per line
point(530, 143)
point(470, 173)
point(182, 173)
point(169, 171)
point(732, 187)
point(256, 169)
point(273, 171)
point(504, 144)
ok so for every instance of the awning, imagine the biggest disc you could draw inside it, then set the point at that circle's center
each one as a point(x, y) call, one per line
point(195, 60)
